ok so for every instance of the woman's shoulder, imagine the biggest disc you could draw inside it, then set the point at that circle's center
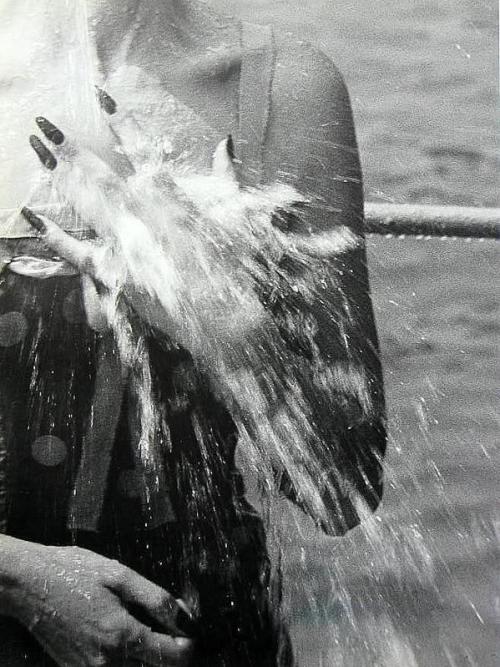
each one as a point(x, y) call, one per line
point(305, 76)
point(302, 72)
point(311, 117)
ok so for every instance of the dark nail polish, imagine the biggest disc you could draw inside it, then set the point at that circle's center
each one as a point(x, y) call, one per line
point(44, 155)
point(186, 623)
point(106, 101)
point(230, 146)
point(52, 132)
point(34, 220)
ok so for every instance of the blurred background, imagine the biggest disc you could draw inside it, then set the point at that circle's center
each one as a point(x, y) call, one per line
point(417, 585)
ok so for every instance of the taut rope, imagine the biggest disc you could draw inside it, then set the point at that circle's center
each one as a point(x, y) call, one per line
point(384, 219)
point(428, 221)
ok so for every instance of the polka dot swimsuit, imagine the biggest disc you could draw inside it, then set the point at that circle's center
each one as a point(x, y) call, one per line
point(213, 553)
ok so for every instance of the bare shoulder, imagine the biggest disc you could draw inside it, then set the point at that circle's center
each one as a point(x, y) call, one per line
point(311, 132)
point(307, 75)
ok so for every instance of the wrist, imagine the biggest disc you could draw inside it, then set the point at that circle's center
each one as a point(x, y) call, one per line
point(18, 560)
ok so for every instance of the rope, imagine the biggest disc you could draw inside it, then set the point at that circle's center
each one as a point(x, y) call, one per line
point(427, 221)
point(385, 219)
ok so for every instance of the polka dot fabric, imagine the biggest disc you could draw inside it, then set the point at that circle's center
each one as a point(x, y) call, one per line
point(46, 384)
point(214, 543)
point(49, 450)
point(48, 357)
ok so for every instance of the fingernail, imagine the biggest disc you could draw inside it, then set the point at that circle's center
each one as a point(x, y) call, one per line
point(186, 623)
point(230, 146)
point(44, 155)
point(106, 101)
point(34, 220)
point(52, 132)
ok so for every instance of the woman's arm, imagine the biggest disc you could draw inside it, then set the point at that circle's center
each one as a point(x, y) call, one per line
point(312, 145)
point(10, 574)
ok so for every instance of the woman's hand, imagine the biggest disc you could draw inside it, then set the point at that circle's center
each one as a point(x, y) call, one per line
point(80, 607)
point(130, 264)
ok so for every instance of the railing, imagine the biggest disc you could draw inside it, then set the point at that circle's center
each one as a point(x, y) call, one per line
point(428, 221)
point(396, 220)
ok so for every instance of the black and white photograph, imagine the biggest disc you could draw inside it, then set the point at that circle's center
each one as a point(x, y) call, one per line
point(249, 333)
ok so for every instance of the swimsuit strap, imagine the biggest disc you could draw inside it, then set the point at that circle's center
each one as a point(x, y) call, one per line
point(256, 79)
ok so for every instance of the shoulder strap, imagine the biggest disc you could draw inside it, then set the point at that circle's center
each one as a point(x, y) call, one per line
point(256, 78)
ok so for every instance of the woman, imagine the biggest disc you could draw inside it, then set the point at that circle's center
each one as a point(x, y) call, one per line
point(100, 564)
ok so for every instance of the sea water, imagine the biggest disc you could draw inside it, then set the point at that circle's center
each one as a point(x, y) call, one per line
point(423, 82)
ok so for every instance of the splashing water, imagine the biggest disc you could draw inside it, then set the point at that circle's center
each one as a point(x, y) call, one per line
point(223, 279)
point(202, 257)
point(204, 249)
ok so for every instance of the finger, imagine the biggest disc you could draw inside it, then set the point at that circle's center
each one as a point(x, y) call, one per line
point(223, 161)
point(158, 603)
point(44, 155)
point(61, 147)
point(117, 159)
point(106, 102)
point(51, 132)
point(34, 220)
point(78, 253)
point(159, 650)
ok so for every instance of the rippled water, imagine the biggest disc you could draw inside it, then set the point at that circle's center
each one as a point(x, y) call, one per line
point(419, 584)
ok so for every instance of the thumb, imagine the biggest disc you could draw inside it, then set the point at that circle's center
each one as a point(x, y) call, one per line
point(156, 602)
point(223, 160)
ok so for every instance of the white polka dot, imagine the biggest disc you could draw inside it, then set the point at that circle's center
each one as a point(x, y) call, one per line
point(73, 308)
point(13, 328)
point(48, 450)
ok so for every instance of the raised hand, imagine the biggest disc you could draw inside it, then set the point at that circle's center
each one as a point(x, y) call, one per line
point(102, 267)
point(110, 150)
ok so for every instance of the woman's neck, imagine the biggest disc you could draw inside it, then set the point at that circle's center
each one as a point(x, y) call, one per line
point(185, 25)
